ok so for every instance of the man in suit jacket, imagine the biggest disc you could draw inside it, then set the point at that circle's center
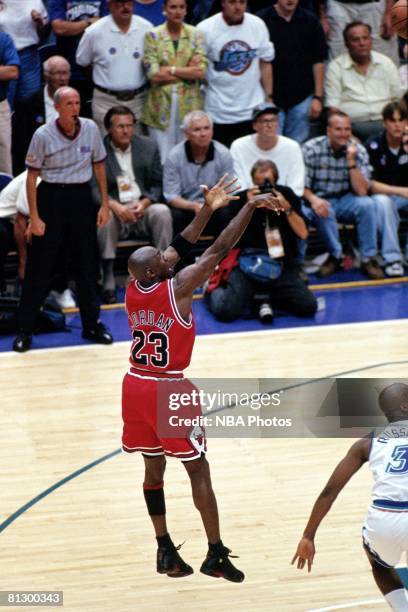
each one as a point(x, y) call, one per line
point(134, 175)
point(38, 109)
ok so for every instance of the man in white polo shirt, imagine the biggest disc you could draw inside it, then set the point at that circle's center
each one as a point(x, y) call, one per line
point(64, 153)
point(113, 46)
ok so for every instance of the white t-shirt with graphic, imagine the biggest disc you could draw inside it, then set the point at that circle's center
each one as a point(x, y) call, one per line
point(234, 52)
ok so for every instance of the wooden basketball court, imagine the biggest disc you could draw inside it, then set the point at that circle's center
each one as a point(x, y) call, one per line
point(92, 538)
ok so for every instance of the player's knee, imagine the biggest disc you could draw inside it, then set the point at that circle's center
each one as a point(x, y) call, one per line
point(154, 470)
point(197, 468)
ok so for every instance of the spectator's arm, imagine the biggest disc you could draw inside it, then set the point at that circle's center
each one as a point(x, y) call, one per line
point(295, 178)
point(386, 30)
point(396, 87)
point(316, 106)
point(378, 187)
point(359, 168)
point(172, 187)
point(267, 79)
point(69, 28)
point(333, 86)
point(9, 73)
point(84, 52)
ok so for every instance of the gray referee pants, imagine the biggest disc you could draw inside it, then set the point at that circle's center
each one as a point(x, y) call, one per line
point(156, 226)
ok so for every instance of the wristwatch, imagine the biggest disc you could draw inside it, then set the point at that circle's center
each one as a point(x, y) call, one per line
point(173, 70)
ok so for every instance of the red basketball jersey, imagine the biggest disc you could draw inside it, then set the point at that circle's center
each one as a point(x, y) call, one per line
point(162, 340)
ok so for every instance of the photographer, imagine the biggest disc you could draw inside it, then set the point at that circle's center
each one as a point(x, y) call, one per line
point(268, 245)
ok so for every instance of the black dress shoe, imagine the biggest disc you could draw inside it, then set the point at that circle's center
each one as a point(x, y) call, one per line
point(99, 334)
point(109, 296)
point(22, 343)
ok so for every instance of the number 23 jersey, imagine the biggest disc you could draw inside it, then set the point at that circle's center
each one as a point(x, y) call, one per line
point(162, 340)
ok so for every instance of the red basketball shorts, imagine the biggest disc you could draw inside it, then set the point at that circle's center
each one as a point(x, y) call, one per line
point(161, 417)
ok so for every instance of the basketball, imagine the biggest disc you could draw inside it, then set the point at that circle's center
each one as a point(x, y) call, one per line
point(399, 20)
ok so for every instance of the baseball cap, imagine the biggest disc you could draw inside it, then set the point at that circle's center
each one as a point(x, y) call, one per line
point(262, 109)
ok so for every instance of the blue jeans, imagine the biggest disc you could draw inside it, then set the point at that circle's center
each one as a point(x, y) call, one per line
point(294, 122)
point(359, 210)
point(394, 203)
point(387, 224)
point(29, 80)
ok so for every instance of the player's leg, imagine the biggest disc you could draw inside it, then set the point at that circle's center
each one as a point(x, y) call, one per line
point(389, 584)
point(216, 563)
point(168, 560)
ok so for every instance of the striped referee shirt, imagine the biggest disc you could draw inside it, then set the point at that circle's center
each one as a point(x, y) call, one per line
point(327, 173)
point(61, 159)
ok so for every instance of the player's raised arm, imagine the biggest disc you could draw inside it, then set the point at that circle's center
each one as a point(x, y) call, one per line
point(215, 197)
point(348, 466)
point(191, 277)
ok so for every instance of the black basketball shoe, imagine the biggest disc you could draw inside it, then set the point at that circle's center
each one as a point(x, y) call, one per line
point(218, 565)
point(169, 562)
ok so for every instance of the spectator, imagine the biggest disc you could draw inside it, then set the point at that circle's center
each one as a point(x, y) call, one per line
point(134, 177)
point(37, 109)
point(267, 144)
point(388, 152)
point(69, 21)
point(25, 21)
point(361, 81)
point(198, 160)
point(298, 66)
point(175, 62)
point(9, 70)
point(63, 154)
point(239, 75)
point(114, 48)
point(287, 292)
point(337, 182)
point(14, 221)
point(152, 10)
point(376, 14)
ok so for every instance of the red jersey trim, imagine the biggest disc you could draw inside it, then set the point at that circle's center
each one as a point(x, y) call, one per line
point(146, 289)
point(175, 309)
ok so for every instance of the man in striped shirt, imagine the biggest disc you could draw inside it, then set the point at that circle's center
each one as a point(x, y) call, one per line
point(63, 153)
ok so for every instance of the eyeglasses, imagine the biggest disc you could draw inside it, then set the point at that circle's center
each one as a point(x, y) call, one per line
point(59, 73)
point(268, 121)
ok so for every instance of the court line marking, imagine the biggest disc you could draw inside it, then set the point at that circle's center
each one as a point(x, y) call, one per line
point(256, 332)
point(96, 462)
point(54, 487)
point(349, 605)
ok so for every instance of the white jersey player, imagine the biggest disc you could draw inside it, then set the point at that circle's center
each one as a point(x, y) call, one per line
point(385, 532)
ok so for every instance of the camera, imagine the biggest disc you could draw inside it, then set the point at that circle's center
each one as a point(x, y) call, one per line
point(266, 187)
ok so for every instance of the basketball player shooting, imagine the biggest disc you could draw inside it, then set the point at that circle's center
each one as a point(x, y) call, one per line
point(158, 305)
point(385, 532)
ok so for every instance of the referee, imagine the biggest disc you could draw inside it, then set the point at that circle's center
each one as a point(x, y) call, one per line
point(63, 153)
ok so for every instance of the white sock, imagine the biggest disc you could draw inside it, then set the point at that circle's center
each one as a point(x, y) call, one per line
point(398, 600)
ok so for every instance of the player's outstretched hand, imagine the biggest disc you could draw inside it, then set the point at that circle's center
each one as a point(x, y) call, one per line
point(274, 201)
point(221, 193)
point(304, 554)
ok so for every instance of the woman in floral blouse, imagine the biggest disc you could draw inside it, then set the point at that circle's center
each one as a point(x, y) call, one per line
point(175, 62)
